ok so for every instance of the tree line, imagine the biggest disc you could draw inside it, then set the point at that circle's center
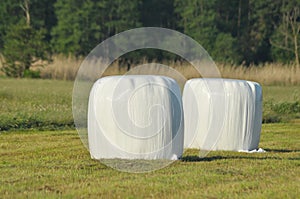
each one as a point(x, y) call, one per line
point(232, 31)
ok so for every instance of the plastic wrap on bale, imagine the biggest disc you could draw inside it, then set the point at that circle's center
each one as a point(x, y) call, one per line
point(135, 117)
point(222, 114)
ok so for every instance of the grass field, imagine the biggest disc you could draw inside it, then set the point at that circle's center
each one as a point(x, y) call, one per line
point(52, 164)
point(39, 104)
point(46, 104)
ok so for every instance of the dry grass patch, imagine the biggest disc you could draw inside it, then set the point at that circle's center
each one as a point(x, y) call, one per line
point(268, 74)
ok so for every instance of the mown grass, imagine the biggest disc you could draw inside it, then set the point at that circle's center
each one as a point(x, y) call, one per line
point(53, 164)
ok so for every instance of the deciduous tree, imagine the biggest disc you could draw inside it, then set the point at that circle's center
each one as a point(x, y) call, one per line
point(287, 35)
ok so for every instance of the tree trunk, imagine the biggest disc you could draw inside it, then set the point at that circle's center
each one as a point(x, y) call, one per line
point(25, 7)
point(296, 51)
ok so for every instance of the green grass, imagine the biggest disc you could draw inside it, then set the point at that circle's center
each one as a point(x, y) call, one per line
point(39, 104)
point(53, 164)
point(46, 104)
point(281, 94)
point(281, 103)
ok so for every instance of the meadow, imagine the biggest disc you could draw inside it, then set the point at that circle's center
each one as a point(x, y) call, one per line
point(38, 104)
point(42, 155)
point(47, 104)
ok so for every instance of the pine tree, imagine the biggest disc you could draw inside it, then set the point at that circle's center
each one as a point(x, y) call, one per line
point(84, 24)
point(23, 46)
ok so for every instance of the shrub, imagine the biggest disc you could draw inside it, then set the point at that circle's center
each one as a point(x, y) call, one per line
point(280, 112)
point(31, 74)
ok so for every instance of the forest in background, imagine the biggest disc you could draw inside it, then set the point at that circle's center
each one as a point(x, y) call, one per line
point(239, 32)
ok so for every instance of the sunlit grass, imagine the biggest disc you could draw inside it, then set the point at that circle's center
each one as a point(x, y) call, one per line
point(53, 164)
point(47, 104)
point(65, 68)
point(28, 103)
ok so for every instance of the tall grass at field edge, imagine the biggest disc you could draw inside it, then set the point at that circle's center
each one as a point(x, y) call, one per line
point(65, 68)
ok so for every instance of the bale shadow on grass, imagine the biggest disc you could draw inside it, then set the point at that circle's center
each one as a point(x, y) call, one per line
point(236, 155)
point(281, 150)
point(194, 158)
point(215, 158)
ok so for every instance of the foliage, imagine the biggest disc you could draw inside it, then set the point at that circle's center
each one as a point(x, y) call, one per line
point(226, 49)
point(239, 31)
point(41, 11)
point(73, 32)
point(286, 39)
point(284, 111)
point(164, 13)
point(281, 103)
point(198, 21)
point(287, 108)
point(90, 22)
point(9, 12)
point(31, 74)
point(23, 44)
point(23, 47)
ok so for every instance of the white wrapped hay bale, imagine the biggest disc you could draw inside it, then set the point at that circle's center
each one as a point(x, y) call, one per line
point(222, 114)
point(135, 117)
